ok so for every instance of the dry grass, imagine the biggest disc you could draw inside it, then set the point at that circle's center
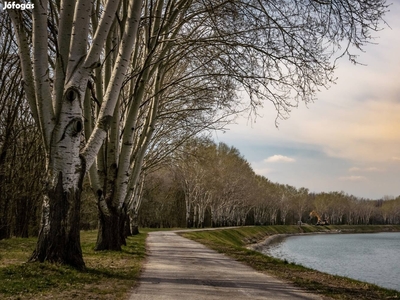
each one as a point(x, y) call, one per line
point(108, 274)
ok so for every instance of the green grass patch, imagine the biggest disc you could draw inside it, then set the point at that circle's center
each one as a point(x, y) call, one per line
point(108, 274)
point(232, 242)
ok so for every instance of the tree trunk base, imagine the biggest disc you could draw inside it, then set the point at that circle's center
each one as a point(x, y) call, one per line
point(135, 230)
point(109, 236)
point(59, 236)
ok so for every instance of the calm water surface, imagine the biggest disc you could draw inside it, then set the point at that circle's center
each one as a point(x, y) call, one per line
point(373, 258)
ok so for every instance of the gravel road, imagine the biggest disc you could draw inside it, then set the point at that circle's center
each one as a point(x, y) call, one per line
point(178, 268)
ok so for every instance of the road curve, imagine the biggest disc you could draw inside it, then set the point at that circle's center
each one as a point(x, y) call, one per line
point(178, 268)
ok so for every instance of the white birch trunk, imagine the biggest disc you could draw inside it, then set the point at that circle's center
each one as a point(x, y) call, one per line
point(59, 112)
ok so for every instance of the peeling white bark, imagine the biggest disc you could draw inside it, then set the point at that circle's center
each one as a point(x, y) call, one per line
point(41, 70)
point(64, 40)
point(114, 87)
point(26, 65)
point(101, 34)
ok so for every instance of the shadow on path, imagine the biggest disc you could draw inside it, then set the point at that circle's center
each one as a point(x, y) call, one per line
point(178, 268)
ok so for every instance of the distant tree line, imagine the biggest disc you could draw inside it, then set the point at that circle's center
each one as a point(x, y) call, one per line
point(206, 184)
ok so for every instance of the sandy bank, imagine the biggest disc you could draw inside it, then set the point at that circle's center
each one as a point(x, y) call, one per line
point(277, 238)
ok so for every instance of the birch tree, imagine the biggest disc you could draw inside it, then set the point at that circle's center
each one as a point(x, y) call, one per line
point(167, 93)
point(60, 45)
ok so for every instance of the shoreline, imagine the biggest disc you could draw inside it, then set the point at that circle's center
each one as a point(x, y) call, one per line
point(280, 237)
point(265, 245)
point(346, 229)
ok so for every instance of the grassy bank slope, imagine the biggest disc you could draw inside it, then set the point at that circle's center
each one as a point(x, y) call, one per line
point(109, 275)
point(233, 243)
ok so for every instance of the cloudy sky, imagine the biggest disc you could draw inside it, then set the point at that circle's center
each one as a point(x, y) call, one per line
point(348, 140)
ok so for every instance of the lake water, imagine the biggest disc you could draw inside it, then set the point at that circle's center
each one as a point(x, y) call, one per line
point(373, 258)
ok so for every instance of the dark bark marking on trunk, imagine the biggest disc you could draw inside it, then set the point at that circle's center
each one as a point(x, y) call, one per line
point(108, 237)
point(59, 236)
point(113, 229)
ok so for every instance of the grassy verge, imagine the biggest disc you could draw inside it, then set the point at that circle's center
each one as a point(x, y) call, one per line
point(233, 243)
point(109, 275)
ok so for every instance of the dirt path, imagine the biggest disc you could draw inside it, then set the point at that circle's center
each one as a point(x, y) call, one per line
point(178, 268)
